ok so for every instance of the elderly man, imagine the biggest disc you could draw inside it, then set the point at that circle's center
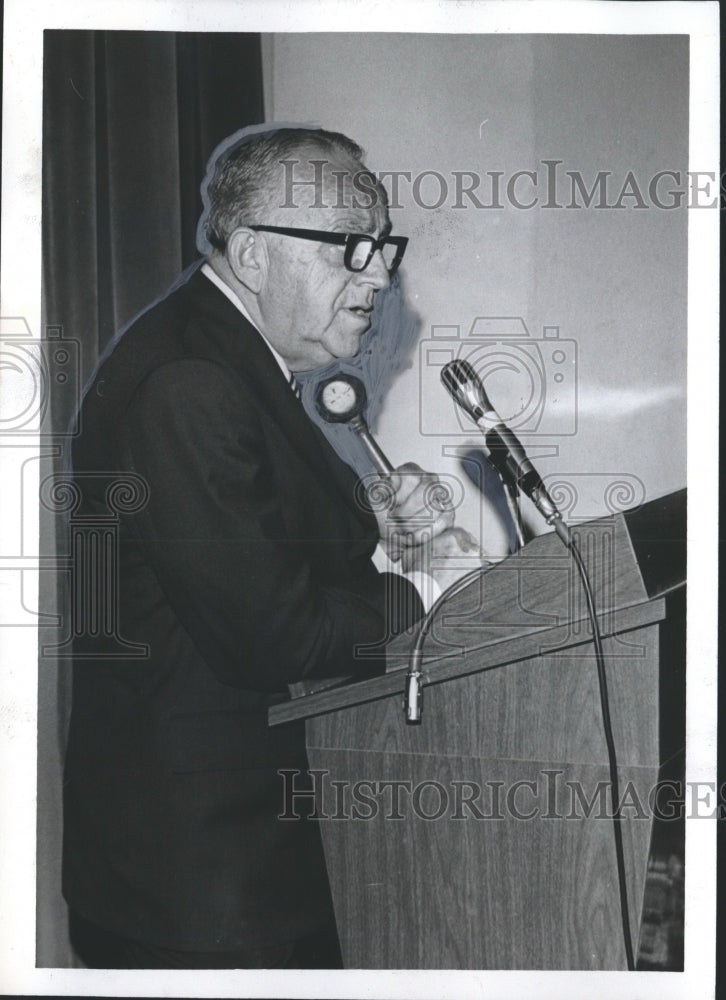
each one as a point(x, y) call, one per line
point(248, 567)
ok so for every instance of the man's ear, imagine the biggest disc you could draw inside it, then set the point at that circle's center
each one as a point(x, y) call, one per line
point(246, 257)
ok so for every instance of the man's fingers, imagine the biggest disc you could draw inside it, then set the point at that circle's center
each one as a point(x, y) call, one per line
point(421, 496)
point(465, 541)
point(409, 535)
point(404, 481)
point(418, 509)
point(418, 493)
point(451, 543)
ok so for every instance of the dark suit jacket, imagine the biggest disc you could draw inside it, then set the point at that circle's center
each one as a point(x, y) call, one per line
point(248, 568)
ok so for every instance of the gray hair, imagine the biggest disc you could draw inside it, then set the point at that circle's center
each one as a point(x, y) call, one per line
point(237, 188)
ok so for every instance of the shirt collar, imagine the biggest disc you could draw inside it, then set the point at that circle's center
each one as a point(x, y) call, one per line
point(224, 288)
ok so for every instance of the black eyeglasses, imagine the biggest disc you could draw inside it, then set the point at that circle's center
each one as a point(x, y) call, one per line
point(359, 247)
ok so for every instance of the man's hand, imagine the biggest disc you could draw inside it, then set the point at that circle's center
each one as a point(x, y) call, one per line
point(419, 509)
point(447, 557)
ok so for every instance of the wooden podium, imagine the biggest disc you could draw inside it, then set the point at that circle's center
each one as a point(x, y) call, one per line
point(481, 838)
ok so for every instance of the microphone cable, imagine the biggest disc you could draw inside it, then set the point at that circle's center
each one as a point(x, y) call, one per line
point(414, 696)
point(574, 549)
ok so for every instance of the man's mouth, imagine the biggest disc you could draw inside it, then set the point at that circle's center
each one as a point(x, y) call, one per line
point(362, 311)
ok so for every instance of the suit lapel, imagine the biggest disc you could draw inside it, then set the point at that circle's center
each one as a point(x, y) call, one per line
point(245, 350)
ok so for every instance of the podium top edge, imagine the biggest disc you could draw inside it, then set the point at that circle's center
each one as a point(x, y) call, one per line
point(448, 667)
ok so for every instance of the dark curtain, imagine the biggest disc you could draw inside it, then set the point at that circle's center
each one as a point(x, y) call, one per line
point(129, 121)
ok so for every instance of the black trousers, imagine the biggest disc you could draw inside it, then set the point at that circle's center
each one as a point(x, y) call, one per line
point(102, 949)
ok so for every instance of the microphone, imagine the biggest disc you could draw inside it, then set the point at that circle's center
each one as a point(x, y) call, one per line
point(503, 448)
point(341, 399)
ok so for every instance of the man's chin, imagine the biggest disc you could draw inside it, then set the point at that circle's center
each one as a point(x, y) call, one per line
point(344, 345)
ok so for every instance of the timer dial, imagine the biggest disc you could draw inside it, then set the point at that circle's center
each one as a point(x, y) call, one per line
point(340, 398)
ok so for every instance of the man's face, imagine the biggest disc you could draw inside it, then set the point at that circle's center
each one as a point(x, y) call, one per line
point(314, 309)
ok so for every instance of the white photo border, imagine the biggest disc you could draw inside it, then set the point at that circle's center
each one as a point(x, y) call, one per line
point(25, 21)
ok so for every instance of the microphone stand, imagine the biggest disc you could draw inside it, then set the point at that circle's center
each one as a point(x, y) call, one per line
point(511, 493)
point(505, 451)
point(498, 460)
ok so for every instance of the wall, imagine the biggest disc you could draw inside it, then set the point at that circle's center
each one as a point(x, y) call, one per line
point(613, 280)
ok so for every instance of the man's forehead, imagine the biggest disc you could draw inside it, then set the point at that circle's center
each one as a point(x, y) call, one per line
point(312, 180)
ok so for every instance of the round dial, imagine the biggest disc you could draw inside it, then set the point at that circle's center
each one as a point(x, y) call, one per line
point(340, 398)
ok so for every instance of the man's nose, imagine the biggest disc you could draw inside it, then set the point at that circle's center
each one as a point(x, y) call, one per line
point(376, 273)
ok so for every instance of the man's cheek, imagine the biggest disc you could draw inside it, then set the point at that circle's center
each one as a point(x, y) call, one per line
point(340, 342)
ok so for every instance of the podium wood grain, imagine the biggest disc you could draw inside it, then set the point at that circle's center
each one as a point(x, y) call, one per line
point(511, 722)
point(466, 891)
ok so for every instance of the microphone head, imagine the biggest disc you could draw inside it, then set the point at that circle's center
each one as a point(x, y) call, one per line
point(467, 389)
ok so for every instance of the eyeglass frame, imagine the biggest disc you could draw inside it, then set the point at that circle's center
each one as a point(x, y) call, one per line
point(347, 240)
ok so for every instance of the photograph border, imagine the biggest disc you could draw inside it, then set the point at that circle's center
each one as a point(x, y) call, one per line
point(21, 298)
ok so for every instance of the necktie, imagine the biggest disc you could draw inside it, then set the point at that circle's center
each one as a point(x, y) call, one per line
point(295, 386)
